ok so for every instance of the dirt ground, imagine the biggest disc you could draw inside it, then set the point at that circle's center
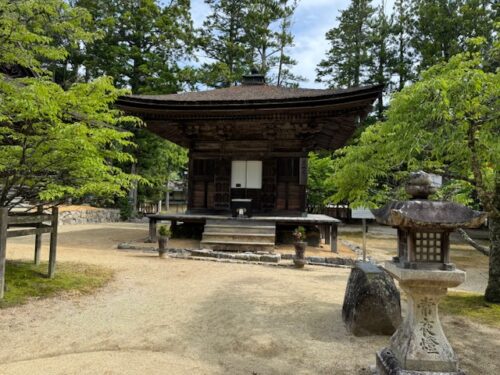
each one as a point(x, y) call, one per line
point(188, 317)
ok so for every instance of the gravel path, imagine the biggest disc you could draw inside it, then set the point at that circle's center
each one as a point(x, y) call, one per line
point(187, 317)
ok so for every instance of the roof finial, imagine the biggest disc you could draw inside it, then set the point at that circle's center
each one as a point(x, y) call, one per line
point(420, 185)
point(254, 78)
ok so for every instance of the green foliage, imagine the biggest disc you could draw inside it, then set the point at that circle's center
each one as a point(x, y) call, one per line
point(142, 45)
point(158, 161)
point(367, 46)
point(348, 56)
point(125, 207)
point(37, 31)
point(472, 306)
point(239, 35)
point(442, 28)
point(222, 39)
point(319, 187)
point(25, 280)
point(56, 144)
point(164, 231)
point(299, 234)
point(446, 123)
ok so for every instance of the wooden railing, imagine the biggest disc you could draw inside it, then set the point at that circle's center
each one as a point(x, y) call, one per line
point(27, 224)
point(340, 212)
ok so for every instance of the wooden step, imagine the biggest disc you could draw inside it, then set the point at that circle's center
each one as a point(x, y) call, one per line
point(239, 237)
point(237, 246)
point(240, 222)
point(239, 229)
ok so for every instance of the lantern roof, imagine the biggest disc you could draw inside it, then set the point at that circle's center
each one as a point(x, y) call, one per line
point(422, 213)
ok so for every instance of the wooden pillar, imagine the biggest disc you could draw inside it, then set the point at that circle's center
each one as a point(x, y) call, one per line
point(328, 239)
point(53, 242)
point(38, 239)
point(334, 235)
point(152, 230)
point(3, 247)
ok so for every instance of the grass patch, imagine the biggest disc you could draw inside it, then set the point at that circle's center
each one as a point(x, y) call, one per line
point(26, 280)
point(472, 306)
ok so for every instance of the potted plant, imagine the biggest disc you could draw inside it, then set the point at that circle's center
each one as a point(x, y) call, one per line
point(164, 234)
point(299, 234)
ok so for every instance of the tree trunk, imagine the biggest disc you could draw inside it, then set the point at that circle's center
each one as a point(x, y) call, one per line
point(493, 290)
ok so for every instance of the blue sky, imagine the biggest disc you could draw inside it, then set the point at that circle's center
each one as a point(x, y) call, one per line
point(312, 19)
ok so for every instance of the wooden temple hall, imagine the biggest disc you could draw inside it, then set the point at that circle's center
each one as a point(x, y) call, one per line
point(248, 148)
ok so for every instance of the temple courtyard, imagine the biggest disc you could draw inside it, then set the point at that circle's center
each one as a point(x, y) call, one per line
point(174, 316)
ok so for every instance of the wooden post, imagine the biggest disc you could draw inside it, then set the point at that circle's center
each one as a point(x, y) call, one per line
point(328, 238)
point(4, 217)
point(38, 239)
point(167, 200)
point(334, 234)
point(53, 242)
point(364, 240)
point(152, 230)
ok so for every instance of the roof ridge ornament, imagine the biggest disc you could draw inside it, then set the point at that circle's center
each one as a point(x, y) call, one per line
point(254, 78)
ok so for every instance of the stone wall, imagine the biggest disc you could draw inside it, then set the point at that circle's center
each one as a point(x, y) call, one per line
point(89, 216)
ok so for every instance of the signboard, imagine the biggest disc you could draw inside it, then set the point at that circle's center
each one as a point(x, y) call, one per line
point(362, 213)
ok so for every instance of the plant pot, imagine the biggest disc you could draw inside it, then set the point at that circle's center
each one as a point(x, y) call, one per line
point(162, 246)
point(300, 249)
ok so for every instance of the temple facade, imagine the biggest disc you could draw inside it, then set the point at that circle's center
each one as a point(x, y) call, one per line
point(252, 141)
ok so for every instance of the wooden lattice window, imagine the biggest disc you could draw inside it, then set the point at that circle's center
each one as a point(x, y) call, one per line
point(428, 247)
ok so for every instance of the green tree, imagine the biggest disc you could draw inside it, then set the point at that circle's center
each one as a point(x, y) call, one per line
point(222, 40)
point(379, 67)
point(347, 60)
point(402, 59)
point(442, 27)
point(158, 161)
point(319, 189)
point(267, 37)
point(55, 143)
point(143, 44)
point(447, 123)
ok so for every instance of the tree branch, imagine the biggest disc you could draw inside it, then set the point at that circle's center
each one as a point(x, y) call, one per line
point(482, 249)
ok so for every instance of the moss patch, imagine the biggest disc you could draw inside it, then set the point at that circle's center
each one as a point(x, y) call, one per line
point(472, 306)
point(25, 281)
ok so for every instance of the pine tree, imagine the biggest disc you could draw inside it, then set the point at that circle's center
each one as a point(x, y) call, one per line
point(142, 43)
point(222, 40)
point(402, 62)
point(381, 54)
point(347, 60)
point(437, 33)
point(268, 35)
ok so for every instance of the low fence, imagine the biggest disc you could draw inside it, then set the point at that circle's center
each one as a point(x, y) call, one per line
point(27, 224)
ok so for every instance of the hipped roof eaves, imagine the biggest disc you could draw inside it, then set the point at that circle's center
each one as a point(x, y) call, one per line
point(330, 97)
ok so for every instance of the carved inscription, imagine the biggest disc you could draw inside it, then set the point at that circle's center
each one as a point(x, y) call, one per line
point(428, 342)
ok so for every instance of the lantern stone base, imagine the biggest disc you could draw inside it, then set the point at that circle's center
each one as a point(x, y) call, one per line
point(419, 346)
point(388, 364)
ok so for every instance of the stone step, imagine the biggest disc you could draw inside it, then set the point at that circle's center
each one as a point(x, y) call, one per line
point(239, 237)
point(212, 228)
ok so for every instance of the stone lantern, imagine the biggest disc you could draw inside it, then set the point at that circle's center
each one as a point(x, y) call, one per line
point(424, 272)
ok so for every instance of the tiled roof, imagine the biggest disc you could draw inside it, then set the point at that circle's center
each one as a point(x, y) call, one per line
point(246, 93)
